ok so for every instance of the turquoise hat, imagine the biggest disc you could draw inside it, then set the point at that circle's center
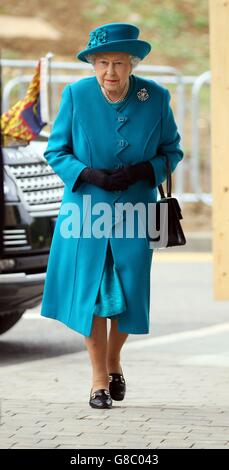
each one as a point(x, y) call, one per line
point(115, 37)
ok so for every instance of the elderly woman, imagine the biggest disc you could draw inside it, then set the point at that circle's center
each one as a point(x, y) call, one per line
point(108, 145)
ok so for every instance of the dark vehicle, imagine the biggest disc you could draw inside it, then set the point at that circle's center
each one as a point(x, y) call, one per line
point(32, 195)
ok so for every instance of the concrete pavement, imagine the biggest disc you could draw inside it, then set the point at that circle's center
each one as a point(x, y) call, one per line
point(177, 391)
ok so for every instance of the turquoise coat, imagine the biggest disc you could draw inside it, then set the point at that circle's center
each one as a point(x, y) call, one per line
point(88, 131)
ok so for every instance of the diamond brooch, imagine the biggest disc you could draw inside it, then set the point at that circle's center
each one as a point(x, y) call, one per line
point(142, 94)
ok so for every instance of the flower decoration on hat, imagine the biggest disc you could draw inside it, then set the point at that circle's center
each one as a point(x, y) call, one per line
point(97, 37)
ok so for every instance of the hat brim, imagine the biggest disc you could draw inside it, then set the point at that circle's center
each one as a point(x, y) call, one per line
point(135, 47)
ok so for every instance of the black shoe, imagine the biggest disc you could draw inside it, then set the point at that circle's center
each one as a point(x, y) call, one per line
point(117, 386)
point(100, 399)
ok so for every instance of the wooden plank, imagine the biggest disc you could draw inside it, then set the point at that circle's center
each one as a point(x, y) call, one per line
point(219, 58)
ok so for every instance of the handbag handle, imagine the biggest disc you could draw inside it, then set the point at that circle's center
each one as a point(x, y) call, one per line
point(168, 181)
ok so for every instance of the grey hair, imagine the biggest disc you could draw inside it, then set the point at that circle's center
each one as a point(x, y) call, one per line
point(134, 60)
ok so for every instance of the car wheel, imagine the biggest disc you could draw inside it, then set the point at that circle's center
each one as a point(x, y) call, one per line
point(9, 320)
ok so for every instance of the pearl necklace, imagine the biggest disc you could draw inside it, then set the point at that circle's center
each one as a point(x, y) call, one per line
point(124, 93)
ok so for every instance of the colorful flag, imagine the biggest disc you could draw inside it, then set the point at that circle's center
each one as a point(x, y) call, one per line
point(2, 207)
point(24, 121)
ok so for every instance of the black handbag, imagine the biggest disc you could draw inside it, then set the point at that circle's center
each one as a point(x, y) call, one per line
point(168, 217)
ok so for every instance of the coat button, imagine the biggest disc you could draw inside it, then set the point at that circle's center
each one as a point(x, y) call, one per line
point(122, 118)
point(119, 165)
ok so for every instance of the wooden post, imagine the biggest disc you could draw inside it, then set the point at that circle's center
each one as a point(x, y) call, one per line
point(219, 56)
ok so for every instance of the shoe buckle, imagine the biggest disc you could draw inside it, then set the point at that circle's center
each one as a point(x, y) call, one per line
point(93, 395)
point(117, 379)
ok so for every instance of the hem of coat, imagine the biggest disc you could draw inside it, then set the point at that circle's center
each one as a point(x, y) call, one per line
point(87, 331)
point(77, 330)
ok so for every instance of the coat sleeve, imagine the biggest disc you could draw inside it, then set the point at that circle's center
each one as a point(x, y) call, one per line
point(169, 144)
point(59, 152)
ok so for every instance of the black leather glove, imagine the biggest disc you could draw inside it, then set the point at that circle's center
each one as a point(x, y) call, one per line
point(133, 173)
point(103, 178)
